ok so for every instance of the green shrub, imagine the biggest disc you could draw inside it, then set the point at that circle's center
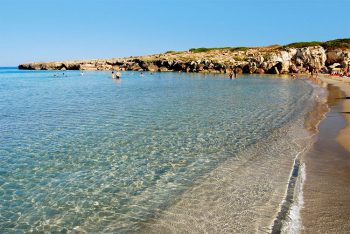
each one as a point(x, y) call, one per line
point(338, 43)
point(303, 44)
point(173, 52)
point(203, 49)
point(241, 48)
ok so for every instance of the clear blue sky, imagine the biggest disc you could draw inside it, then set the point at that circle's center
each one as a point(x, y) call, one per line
point(49, 30)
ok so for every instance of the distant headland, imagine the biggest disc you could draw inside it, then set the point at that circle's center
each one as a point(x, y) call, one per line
point(328, 57)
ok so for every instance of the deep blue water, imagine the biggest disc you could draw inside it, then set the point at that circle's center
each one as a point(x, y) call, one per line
point(88, 152)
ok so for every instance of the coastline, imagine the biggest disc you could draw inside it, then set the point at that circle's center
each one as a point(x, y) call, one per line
point(288, 219)
point(325, 191)
point(292, 59)
point(196, 210)
point(344, 85)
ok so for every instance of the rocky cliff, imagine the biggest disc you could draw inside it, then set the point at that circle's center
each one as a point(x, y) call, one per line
point(271, 59)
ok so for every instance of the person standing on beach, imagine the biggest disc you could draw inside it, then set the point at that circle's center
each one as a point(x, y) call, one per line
point(235, 73)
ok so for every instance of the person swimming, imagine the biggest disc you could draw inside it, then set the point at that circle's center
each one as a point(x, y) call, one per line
point(113, 75)
point(118, 75)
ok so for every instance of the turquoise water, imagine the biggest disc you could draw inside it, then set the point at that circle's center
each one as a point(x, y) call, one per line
point(89, 153)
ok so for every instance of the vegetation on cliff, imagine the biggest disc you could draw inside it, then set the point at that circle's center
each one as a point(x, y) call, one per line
point(332, 44)
point(295, 57)
point(203, 49)
point(338, 43)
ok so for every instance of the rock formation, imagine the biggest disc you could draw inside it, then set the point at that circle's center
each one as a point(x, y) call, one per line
point(271, 59)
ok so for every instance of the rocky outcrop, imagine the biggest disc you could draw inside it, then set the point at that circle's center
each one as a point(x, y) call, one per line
point(311, 56)
point(274, 60)
point(338, 56)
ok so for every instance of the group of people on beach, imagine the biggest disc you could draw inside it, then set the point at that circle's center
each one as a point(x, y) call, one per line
point(341, 72)
point(335, 72)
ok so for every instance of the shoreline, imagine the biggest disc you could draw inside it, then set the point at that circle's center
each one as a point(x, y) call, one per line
point(195, 209)
point(265, 216)
point(327, 166)
point(343, 137)
point(288, 218)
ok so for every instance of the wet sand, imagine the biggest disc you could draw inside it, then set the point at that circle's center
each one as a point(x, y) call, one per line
point(327, 185)
point(344, 85)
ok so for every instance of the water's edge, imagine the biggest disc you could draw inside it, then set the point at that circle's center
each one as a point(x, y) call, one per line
point(285, 208)
point(186, 214)
point(288, 219)
point(327, 171)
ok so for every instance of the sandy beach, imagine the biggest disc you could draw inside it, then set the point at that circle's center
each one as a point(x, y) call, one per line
point(344, 85)
point(327, 165)
point(175, 117)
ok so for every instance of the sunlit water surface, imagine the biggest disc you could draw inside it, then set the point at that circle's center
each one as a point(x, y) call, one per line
point(90, 153)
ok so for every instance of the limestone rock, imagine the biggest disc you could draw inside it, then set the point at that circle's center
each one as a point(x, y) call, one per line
point(314, 56)
point(163, 69)
point(254, 60)
point(135, 67)
point(239, 70)
point(260, 71)
point(153, 68)
point(338, 56)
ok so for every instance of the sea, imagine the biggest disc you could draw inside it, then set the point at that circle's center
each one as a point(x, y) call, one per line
point(151, 152)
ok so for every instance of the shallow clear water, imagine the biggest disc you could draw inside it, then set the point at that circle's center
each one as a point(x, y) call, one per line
point(91, 153)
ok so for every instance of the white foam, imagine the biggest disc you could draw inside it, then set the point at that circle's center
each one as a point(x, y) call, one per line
point(293, 224)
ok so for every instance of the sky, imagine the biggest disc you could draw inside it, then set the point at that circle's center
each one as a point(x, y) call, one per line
point(56, 30)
